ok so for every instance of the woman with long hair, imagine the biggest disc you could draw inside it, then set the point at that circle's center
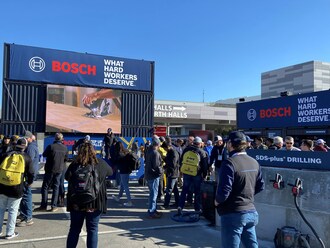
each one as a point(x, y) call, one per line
point(91, 211)
point(124, 162)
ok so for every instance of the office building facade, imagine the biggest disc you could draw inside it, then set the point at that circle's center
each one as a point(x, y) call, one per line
point(296, 79)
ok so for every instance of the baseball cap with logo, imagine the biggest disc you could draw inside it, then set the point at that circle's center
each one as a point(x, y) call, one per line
point(216, 138)
point(320, 142)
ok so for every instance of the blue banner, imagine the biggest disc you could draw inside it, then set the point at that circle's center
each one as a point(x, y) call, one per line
point(78, 69)
point(303, 110)
point(96, 140)
point(292, 159)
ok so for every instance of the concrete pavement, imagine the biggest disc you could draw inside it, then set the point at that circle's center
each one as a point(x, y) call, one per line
point(120, 227)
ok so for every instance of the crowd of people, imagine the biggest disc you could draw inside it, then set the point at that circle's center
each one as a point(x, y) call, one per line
point(288, 144)
point(172, 167)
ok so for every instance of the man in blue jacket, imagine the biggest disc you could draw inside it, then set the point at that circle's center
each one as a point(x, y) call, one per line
point(25, 217)
point(240, 179)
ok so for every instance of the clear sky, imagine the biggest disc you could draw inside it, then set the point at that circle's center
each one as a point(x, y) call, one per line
point(218, 47)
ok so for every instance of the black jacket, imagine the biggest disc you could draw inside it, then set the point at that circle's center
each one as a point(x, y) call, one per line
point(172, 165)
point(125, 163)
point(153, 164)
point(240, 179)
point(103, 170)
point(57, 155)
point(17, 190)
point(217, 156)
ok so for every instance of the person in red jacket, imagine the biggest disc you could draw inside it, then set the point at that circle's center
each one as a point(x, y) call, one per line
point(320, 146)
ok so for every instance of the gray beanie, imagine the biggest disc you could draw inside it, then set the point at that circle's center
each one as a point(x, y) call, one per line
point(155, 141)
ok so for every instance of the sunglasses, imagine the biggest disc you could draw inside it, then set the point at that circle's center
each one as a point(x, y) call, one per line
point(289, 143)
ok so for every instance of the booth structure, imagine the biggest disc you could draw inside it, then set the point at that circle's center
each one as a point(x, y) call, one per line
point(47, 91)
point(300, 116)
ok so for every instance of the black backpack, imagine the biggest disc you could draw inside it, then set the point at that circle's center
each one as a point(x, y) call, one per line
point(133, 161)
point(84, 185)
point(289, 237)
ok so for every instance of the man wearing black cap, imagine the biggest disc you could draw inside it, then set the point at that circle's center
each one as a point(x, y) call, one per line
point(10, 196)
point(57, 155)
point(240, 179)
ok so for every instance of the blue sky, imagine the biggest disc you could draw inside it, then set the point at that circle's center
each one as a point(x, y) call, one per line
point(219, 47)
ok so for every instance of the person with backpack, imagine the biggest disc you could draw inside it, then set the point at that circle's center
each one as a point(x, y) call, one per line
point(194, 168)
point(16, 172)
point(126, 164)
point(87, 194)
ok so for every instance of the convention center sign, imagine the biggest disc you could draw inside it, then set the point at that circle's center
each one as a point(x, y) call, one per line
point(311, 109)
point(292, 159)
point(78, 69)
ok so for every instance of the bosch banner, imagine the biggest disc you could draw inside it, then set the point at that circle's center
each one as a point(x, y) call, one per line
point(311, 109)
point(78, 69)
point(291, 159)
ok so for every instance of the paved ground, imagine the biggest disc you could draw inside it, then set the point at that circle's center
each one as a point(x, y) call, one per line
point(120, 227)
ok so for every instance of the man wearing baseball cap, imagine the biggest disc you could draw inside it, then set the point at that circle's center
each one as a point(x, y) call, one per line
point(193, 180)
point(320, 146)
point(240, 180)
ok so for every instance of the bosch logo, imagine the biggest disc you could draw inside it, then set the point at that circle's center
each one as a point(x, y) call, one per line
point(37, 64)
point(251, 115)
point(74, 68)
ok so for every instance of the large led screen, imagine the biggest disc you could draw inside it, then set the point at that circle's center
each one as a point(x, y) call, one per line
point(82, 110)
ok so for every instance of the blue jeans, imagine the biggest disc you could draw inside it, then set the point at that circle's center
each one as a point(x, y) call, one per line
point(61, 189)
point(124, 180)
point(36, 168)
point(92, 225)
point(26, 203)
point(153, 185)
point(49, 180)
point(196, 181)
point(172, 186)
point(12, 205)
point(237, 227)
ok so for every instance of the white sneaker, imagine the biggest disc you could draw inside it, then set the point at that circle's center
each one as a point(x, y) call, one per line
point(15, 234)
point(116, 198)
point(128, 204)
